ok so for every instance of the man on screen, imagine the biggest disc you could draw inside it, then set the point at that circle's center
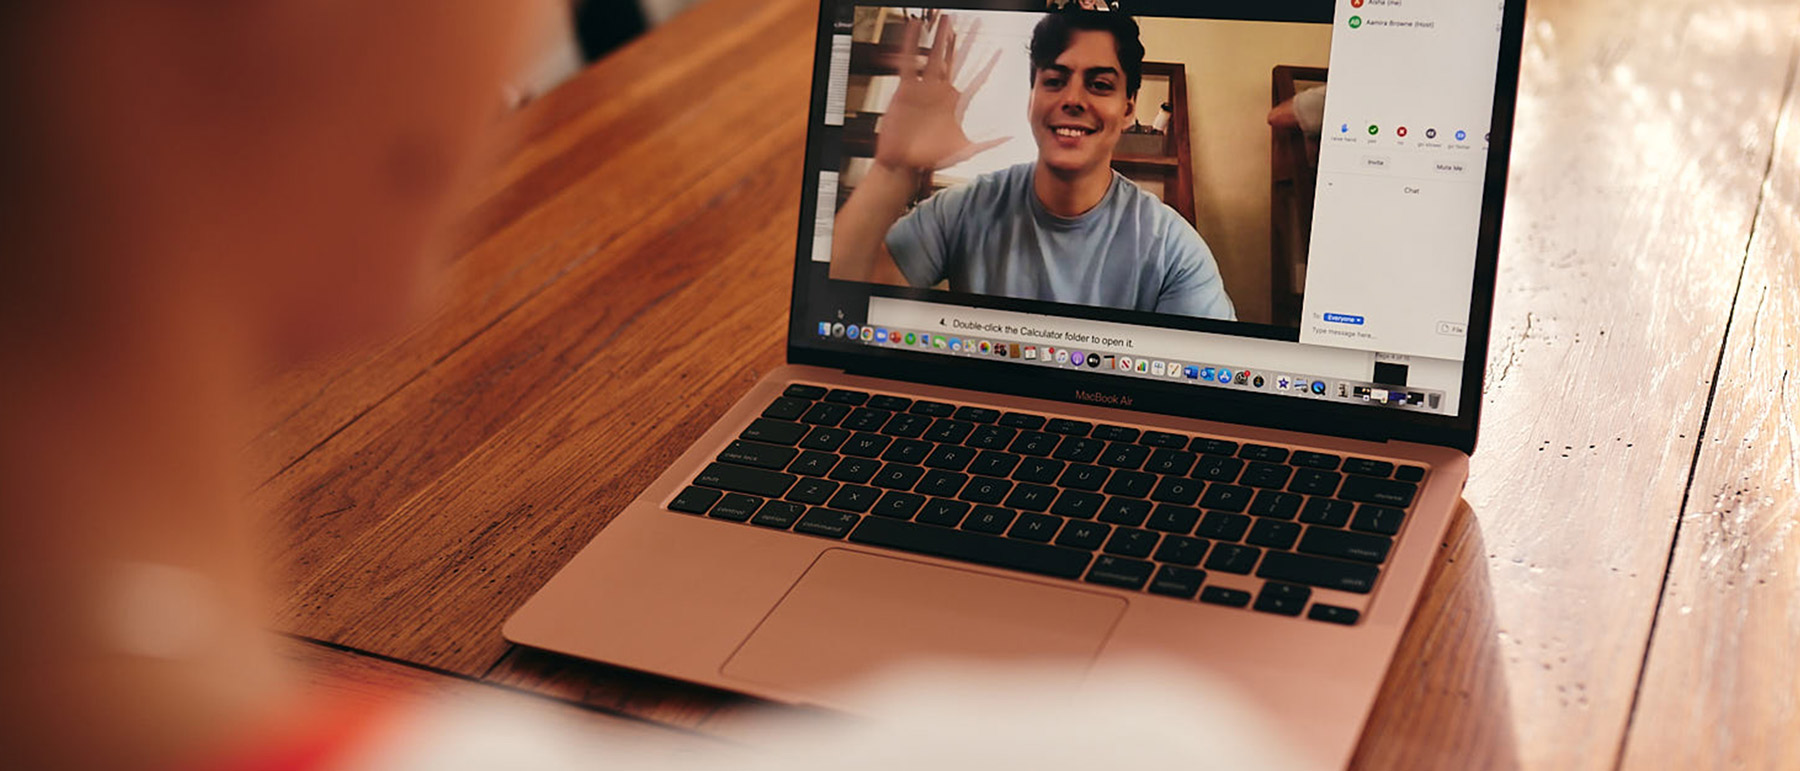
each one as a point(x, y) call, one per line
point(1065, 228)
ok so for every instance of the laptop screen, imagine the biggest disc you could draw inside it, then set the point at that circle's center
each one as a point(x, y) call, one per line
point(1280, 199)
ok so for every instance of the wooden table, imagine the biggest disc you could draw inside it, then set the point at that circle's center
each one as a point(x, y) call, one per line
point(1624, 592)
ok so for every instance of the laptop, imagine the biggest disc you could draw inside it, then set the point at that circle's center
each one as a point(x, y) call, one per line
point(1142, 328)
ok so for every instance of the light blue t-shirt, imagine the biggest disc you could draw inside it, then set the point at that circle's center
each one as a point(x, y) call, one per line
point(992, 236)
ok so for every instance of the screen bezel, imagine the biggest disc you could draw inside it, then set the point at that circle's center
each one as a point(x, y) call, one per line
point(1178, 398)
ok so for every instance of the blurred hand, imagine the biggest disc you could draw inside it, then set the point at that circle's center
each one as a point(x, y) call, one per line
point(922, 128)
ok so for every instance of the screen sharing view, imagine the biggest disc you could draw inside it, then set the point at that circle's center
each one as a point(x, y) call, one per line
point(1282, 198)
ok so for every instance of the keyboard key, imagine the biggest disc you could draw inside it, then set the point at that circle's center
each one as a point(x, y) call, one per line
point(1222, 526)
point(1315, 482)
point(1217, 468)
point(804, 391)
point(1174, 462)
point(1284, 599)
point(993, 464)
point(786, 408)
point(777, 431)
point(898, 476)
point(1330, 542)
point(907, 425)
point(1269, 503)
point(1383, 491)
point(1212, 446)
point(827, 523)
point(1035, 527)
point(1377, 519)
point(1079, 449)
point(865, 445)
point(1232, 558)
point(1170, 518)
point(1181, 550)
point(813, 463)
point(1040, 470)
point(1034, 443)
point(992, 437)
point(1117, 433)
point(1164, 439)
point(1226, 497)
point(780, 515)
point(890, 403)
point(1030, 497)
point(813, 491)
point(1124, 455)
point(1219, 595)
point(1014, 554)
point(736, 507)
point(740, 479)
point(1333, 614)
point(1319, 571)
point(1263, 453)
point(1266, 475)
point(911, 451)
point(855, 470)
point(1177, 582)
point(1367, 467)
point(943, 511)
point(941, 483)
point(1083, 535)
point(825, 414)
point(1122, 573)
point(1131, 542)
point(694, 500)
point(1077, 504)
point(1125, 511)
point(1068, 427)
point(948, 431)
point(1022, 420)
point(825, 439)
point(898, 505)
point(932, 409)
point(1131, 484)
point(1408, 474)
point(988, 519)
point(843, 396)
point(866, 419)
point(854, 498)
point(950, 457)
point(1177, 490)
point(1325, 511)
point(986, 490)
point(977, 414)
point(1273, 534)
point(1080, 476)
point(1315, 460)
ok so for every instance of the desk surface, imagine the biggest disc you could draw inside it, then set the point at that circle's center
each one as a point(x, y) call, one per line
point(1625, 592)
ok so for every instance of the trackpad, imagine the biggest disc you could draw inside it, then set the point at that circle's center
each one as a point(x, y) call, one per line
point(854, 614)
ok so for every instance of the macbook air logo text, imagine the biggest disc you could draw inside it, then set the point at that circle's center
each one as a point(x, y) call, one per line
point(1103, 398)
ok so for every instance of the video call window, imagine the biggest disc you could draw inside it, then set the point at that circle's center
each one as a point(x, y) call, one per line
point(1080, 156)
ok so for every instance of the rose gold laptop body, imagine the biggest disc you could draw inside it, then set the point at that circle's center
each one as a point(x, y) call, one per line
point(795, 618)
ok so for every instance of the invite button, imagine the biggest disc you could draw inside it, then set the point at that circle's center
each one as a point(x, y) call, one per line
point(1340, 318)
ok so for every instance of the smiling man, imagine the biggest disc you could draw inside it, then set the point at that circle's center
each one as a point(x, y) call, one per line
point(1064, 228)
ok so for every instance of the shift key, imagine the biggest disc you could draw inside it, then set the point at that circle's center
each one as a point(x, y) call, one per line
point(739, 479)
point(1319, 571)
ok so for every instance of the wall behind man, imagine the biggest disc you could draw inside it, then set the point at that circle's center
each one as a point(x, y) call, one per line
point(1228, 73)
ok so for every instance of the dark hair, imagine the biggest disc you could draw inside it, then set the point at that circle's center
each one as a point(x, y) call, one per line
point(1051, 38)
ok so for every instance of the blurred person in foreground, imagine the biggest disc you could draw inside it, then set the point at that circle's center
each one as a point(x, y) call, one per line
point(196, 192)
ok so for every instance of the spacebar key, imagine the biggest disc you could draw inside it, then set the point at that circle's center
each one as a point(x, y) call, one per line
point(971, 547)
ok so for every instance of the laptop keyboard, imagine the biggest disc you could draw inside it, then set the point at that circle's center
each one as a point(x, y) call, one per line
point(1110, 505)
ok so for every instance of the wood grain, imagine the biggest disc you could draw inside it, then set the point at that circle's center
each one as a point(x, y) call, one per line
point(623, 277)
point(1643, 133)
point(1722, 684)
